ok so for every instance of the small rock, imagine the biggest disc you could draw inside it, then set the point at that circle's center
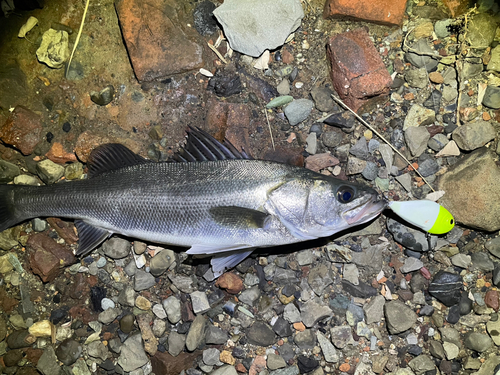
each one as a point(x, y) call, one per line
point(417, 78)
point(422, 364)
point(49, 172)
point(312, 143)
point(322, 97)
point(22, 130)
point(399, 317)
point(360, 149)
point(172, 307)
point(421, 58)
point(416, 138)
point(446, 288)
point(411, 264)
point(199, 302)
point(161, 262)
point(116, 248)
point(204, 21)
point(68, 351)
point(231, 282)
point(461, 260)
point(374, 310)
point(305, 340)
point(196, 333)
point(176, 343)
point(215, 335)
point(341, 336)
point(275, 361)
point(8, 171)
point(474, 135)
point(491, 97)
point(482, 261)
point(312, 312)
point(261, 334)
point(329, 351)
point(283, 87)
point(478, 342)
point(47, 364)
point(143, 280)
point(211, 357)
point(249, 296)
point(438, 142)
point(493, 329)
point(298, 110)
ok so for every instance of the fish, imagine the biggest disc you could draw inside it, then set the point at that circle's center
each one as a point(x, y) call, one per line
point(212, 199)
point(424, 214)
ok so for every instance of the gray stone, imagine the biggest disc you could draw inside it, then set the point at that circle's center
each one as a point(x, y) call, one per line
point(322, 97)
point(399, 317)
point(494, 63)
point(312, 143)
point(132, 354)
point(450, 334)
point(311, 312)
point(143, 280)
point(319, 278)
point(225, 370)
point(215, 335)
point(360, 149)
point(428, 167)
point(48, 171)
point(249, 296)
point(417, 78)
point(172, 307)
point(374, 310)
point(436, 349)
point(8, 171)
point(161, 262)
point(196, 333)
point(183, 283)
point(332, 138)
point(97, 349)
point(107, 316)
point(416, 138)
point(371, 258)
point(441, 28)
point(482, 261)
point(251, 279)
point(475, 175)
point(493, 246)
point(69, 351)
point(481, 30)
point(478, 342)
point(275, 361)
point(493, 328)
point(491, 97)
point(292, 370)
point(211, 357)
point(470, 68)
point(474, 135)
point(341, 336)
point(351, 273)
point(176, 343)
point(329, 351)
point(261, 334)
point(450, 93)
point(298, 110)
point(284, 276)
point(461, 260)
point(355, 165)
point(159, 327)
point(283, 87)
point(437, 142)
point(47, 364)
point(305, 340)
point(253, 27)
point(420, 60)
point(371, 171)
point(419, 116)
point(411, 264)
point(305, 257)
point(199, 302)
point(159, 311)
point(291, 313)
point(451, 350)
point(116, 248)
point(421, 364)
point(25, 179)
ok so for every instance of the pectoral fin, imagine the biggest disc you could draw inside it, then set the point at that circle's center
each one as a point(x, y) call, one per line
point(89, 237)
point(239, 217)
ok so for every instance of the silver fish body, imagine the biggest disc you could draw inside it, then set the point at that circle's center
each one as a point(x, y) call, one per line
point(221, 207)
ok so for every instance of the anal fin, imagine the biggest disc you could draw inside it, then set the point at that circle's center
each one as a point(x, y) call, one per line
point(199, 249)
point(89, 237)
point(222, 262)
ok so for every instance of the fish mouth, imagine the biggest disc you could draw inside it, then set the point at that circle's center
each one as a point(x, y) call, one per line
point(366, 210)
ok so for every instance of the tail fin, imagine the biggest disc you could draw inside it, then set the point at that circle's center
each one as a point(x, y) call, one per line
point(7, 210)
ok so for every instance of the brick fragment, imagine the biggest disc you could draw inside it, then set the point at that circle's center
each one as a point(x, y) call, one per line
point(22, 130)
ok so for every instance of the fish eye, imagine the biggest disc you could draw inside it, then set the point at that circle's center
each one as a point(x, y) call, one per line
point(345, 194)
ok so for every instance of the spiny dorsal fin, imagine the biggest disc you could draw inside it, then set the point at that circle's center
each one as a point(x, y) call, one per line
point(110, 157)
point(201, 146)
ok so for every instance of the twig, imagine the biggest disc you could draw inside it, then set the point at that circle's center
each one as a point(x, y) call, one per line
point(217, 53)
point(269, 126)
point(77, 37)
point(381, 137)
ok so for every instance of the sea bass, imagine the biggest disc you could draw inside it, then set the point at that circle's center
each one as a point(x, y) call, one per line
point(216, 201)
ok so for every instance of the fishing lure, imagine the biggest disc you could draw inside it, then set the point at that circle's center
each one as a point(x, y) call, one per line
point(427, 215)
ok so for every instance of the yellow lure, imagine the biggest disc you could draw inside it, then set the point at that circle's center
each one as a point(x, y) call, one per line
point(425, 214)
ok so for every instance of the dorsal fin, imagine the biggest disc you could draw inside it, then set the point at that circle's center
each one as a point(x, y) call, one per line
point(201, 146)
point(110, 157)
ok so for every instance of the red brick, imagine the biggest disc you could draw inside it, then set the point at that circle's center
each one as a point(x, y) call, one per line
point(359, 76)
point(157, 45)
point(386, 12)
point(23, 130)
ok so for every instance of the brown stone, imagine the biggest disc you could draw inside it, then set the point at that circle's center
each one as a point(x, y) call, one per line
point(157, 45)
point(318, 162)
point(7, 303)
point(33, 355)
point(22, 130)
point(64, 229)
point(457, 7)
point(386, 12)
point(231, 121)
point(44, 264)
point(149, 340)
point(165, 364)
point(82, 313)
point(358, 74)
point(436, 77)
point(58, 154)
point(231, 282)
point(80, 287)
point(292, 156)
point(491, 299)
point(62, 253)
point(86, 142)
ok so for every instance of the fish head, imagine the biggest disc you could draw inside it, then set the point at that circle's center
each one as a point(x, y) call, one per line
point(336, 205)
point(321, 206)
